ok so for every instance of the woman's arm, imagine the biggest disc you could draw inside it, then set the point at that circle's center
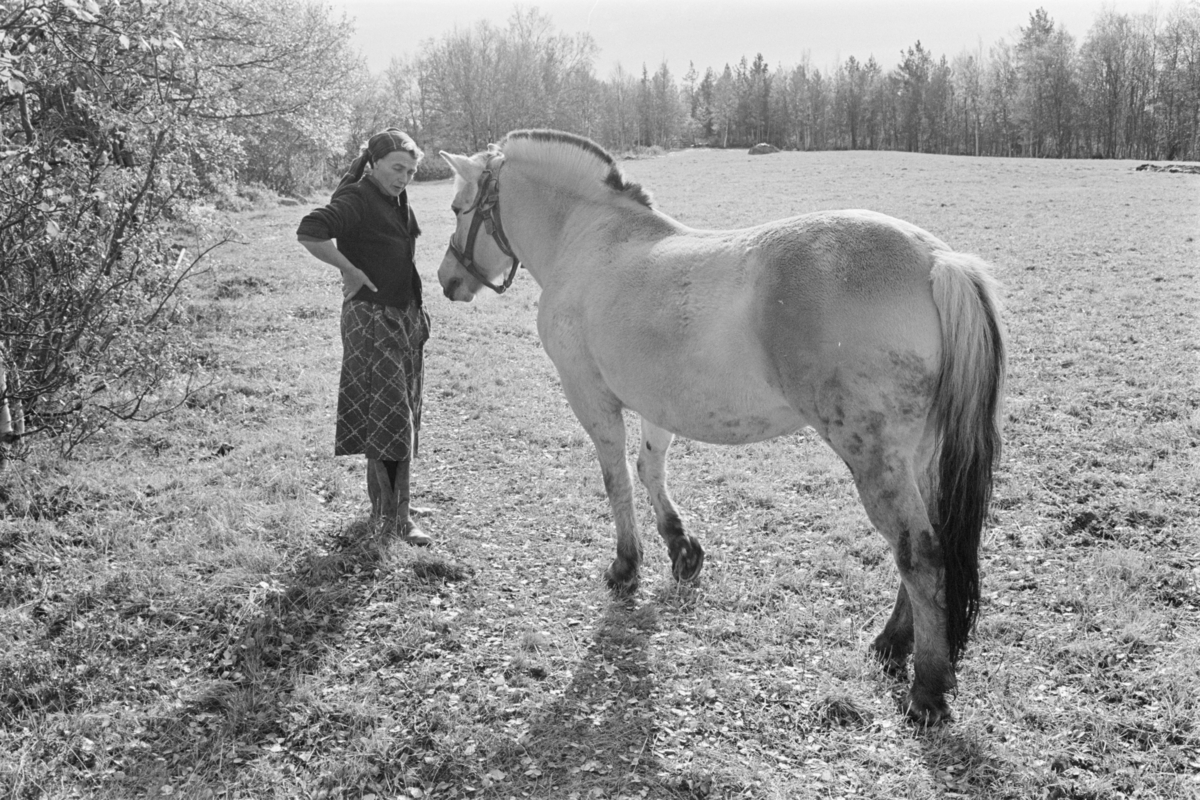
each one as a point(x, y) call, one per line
point(353, 278)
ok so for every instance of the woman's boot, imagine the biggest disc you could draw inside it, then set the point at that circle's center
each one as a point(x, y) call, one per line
point(375, 488)
point(405, 526)
point(387, 485)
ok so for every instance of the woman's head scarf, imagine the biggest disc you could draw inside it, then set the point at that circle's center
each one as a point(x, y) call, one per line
point(379, 145)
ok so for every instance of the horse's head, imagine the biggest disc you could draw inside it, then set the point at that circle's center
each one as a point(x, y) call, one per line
point(471, 260)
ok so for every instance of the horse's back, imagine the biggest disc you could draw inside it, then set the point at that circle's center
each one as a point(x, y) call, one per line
point(846, 256)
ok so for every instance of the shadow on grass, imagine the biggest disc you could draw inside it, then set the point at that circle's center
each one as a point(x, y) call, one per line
point(962, 764)
point(597, 740)
point(237, 716)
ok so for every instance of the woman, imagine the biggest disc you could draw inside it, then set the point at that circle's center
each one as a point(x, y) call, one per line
point(384, 328)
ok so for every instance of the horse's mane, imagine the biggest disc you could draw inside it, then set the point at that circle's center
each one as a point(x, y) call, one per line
point(574, 153)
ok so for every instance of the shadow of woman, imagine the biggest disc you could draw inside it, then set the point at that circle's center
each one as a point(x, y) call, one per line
point(597, 741)
point(239, 707)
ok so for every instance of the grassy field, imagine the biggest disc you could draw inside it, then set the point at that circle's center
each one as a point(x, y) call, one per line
point(189, 608)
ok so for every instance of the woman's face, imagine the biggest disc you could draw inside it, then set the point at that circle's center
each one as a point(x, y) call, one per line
point(393, 172)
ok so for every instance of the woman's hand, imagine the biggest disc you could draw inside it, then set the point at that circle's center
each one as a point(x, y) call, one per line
point(354, 279)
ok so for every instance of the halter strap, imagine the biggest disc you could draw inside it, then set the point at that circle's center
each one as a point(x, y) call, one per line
point(487, 213)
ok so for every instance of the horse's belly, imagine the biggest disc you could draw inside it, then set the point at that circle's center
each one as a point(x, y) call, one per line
point(695, 368)
point(720, 427)
point(731, 407)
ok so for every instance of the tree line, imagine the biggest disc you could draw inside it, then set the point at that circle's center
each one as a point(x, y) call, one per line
point(1130, 89)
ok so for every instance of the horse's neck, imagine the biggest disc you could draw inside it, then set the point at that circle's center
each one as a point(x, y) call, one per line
point(538, 223)
point(548, 231)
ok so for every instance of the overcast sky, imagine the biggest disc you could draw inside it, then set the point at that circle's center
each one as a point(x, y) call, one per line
point(712, 34)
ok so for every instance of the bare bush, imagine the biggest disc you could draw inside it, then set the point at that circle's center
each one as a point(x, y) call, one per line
point(112, 125)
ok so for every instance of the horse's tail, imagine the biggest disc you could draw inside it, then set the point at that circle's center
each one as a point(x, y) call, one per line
point(967, 409)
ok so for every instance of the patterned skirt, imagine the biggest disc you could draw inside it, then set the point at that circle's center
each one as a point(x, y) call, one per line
point(379, 398)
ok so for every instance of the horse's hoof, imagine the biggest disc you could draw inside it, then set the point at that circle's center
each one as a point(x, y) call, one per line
point(688, 559)
point(927, 712)
point(622, 580)
point(893, 660)
point(895, 669)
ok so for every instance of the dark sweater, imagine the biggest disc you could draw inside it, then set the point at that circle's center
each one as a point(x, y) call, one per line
point(378, 234)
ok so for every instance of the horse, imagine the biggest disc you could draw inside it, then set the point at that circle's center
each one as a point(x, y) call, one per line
point(866, 328)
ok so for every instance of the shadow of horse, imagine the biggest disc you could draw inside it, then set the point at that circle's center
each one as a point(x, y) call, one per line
point(597, 740)
point(963, 764)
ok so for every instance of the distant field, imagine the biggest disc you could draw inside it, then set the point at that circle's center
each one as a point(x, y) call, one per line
point(186, 610)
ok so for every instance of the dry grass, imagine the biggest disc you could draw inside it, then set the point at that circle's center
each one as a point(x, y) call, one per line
point(191, 609)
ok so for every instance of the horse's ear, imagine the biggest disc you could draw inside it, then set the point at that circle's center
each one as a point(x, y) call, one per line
point(493, 148)
point(463, 166)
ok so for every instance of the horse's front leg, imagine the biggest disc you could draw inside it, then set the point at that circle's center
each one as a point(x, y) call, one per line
point(600, 415)
point(687, 556)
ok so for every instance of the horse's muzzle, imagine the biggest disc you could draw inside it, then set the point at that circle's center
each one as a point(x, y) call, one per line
point(451, 287)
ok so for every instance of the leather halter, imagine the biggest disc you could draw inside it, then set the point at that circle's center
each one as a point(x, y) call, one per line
point(487, 213)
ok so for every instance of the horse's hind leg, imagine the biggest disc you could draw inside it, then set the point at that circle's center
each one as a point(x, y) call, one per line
point(687, 556)
point(888, 489)
point(894, 644)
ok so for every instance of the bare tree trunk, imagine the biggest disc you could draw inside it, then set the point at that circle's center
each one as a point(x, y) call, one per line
point(7, 435)
point(6, 427)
